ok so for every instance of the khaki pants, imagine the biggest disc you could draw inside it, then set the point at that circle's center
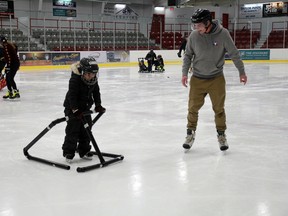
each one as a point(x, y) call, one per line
point(199, 88)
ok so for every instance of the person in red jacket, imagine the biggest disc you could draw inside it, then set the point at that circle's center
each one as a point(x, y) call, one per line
point(12, 66)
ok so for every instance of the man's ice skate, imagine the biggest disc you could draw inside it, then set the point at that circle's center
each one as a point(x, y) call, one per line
point(222, 141)
point(189, 139)
point(87, 156)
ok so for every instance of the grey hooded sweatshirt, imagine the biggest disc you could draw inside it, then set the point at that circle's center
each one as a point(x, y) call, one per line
point(206, 53)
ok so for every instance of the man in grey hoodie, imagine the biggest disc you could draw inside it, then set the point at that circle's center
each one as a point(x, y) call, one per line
point(205, 51)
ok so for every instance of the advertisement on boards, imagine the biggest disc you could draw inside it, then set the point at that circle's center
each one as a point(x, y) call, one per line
point(252, 55)
point(35, 58)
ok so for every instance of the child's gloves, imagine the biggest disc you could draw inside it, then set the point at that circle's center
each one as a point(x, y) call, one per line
point(100, 109)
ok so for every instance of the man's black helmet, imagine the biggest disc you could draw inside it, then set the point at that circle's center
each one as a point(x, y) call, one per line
point(89, 65)
point(201, 16)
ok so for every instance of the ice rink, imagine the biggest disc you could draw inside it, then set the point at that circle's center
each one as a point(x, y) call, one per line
point(146, 122)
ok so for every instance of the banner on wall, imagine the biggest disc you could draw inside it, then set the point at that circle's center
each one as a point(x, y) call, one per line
point(117, 56)
point(255, 54)
point(64, 12)
point(252, 55)
point(7, 9)
point(35, 58)
point(126, 13)
point(99, 56)
point(120, 13)
point(107, 56)
point(45, 58)
point(250, 11)
point(61, 3)
point(64, 8)
point(65, 58)
point(275, 9)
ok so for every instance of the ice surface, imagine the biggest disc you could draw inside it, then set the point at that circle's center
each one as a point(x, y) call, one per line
point(146, 122)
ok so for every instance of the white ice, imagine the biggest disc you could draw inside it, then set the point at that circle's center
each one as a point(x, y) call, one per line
point(146, 122)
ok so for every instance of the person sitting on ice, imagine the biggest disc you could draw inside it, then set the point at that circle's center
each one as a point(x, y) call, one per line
point(159, 63)
point(142, 66)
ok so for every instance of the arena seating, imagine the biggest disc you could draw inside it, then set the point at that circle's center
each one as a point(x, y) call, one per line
point(244, 37)
point(80, 40)
point(276, 39)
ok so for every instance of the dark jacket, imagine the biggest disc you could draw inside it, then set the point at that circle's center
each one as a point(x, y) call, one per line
point(161, 61)
point(80, 95)
point(2, 59)
point(183, 45)
point(151, 56)
point(10, 55)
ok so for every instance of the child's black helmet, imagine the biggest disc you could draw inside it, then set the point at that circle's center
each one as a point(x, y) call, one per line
point(201, 16)
point(89, 65)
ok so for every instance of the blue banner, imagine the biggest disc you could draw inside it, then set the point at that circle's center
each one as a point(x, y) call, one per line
point(65, 58)
point(253, 55)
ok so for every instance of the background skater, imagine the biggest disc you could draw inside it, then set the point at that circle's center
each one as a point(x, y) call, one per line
point(12, 66)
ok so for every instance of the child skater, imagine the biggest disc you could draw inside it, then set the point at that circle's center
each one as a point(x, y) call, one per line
point(83, 92)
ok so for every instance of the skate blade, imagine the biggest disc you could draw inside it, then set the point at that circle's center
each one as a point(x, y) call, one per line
point(11, 99)
point(87, 158)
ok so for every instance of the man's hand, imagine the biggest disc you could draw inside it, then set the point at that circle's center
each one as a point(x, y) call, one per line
point(184, 81)
point(243, 79)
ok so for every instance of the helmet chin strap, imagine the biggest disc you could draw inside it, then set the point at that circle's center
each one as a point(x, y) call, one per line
point(208, 28)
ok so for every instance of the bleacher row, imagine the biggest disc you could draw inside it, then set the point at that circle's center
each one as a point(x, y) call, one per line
point(80, 39)
point(120, 40)
point(20, 39)
point(167, 39)
point(276, 39)
point(243, 40)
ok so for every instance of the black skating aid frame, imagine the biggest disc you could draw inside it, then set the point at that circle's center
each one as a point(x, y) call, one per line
point(113, 157)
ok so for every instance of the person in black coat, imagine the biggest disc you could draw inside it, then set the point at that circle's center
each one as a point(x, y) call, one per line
point(159, 64)
point(150, 57)
point(12, 66)
point(2, 65)
point(182, 47)
point(2, 59)
point(83, 92)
